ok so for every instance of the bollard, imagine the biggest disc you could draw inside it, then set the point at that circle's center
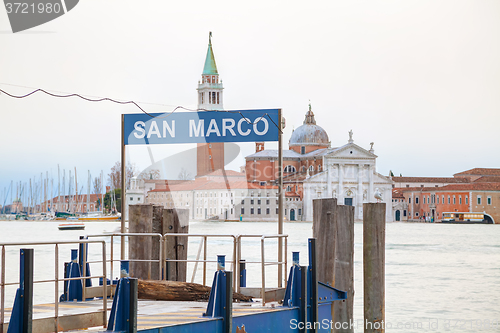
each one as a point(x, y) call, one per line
point(21, 319)
point(374, 266)
point(243, 273)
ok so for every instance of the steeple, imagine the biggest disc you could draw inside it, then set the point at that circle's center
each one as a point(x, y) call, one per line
point(210, 66)
point(210, 88)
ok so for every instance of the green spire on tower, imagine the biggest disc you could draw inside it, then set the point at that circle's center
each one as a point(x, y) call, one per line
point(210, 66)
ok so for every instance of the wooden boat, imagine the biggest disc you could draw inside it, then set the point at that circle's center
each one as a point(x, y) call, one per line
point(71, 226)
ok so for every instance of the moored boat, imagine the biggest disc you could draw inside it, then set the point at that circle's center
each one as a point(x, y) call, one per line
point(71, 226)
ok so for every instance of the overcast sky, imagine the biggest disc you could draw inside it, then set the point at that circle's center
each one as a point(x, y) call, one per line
point(420, 79)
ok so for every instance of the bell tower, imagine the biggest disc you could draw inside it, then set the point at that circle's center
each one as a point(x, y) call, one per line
point(210, 88)
point(210, 156)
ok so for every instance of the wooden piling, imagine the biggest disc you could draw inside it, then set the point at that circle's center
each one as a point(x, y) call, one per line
point(374, 267)
point(157, 228)
point(140, 221)
point(333, 228)
point(176, 221)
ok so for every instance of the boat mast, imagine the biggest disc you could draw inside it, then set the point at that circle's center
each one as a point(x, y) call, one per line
point(76, 192)
point(88, 194)
point(58, 189)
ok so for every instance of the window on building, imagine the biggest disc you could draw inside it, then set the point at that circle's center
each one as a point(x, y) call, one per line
point(262, 183)
point(454, 200)
point(289, 188)
point(303, 150)
point(437, 198)
point(251, 210)
point(466, 200)
point(409, 200)
point(404, 212)
point(267, 202)
point(416, 200)
point(407, 185)
point(300, 211)
point(311, 168)
point(258, 202)
point(242, 210)
point(231, 211)
point(478, 199)
point(460, 200)
point(131, 199)
point(303, 169)
point(258, 210)
point(289, 169)
point(449, 200)
point(416, 214)
point(488, 200)
point(251, 202)
point(213, 97)
point(268, 211)
point(285, 211)
point(242, 201)
point(218, 98)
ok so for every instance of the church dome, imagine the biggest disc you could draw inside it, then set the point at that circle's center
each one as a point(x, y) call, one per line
point(309, 134)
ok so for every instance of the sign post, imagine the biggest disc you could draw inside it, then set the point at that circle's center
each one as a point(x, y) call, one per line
point(203, 127)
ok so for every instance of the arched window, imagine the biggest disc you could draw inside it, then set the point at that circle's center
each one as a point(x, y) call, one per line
point(311, 168)
point(319, 167)
point(289, 169)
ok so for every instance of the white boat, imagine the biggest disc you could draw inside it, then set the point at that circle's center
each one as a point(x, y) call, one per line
point(71, 226)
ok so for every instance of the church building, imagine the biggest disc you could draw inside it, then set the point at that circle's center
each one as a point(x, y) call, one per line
point(312, 169)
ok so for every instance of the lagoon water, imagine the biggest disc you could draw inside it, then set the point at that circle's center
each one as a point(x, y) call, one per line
point(439, 278)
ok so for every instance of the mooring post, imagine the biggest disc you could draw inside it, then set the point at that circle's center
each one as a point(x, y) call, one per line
point(344, 269)
point(22, 311)
point(176, 221)
point(333, 228)
point(243, 273)
point(374, 267)
point(140, 219)
point(313, 268)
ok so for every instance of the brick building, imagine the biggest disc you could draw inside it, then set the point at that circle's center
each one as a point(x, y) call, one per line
point(475, 190)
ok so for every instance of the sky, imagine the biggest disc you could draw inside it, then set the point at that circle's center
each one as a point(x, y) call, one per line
point(420, 79)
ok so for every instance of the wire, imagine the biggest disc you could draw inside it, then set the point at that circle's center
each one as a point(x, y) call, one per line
point(101, 99)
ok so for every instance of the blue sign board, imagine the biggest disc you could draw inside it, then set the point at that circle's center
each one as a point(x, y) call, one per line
point(201, 127)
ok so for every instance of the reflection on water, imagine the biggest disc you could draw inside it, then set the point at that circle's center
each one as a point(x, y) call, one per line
point(435, 274)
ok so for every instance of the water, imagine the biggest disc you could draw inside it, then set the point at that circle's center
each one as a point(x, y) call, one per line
point(439, 278)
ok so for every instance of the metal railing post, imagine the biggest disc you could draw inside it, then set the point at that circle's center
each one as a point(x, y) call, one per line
point(263, 270)
point(56, 310)
point(105, 286)
point(2, 291)
point(204, 260)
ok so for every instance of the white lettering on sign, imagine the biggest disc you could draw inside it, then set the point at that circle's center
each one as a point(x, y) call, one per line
point(213, 128)
point(225, 126)
point(246, 121)
point(153, 129)
point(140, 130)
point(266, 126)
point(170, 130)
point(197, 130)
point(229, 127)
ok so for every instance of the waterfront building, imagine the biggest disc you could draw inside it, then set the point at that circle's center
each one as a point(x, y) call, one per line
point(476, 190)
